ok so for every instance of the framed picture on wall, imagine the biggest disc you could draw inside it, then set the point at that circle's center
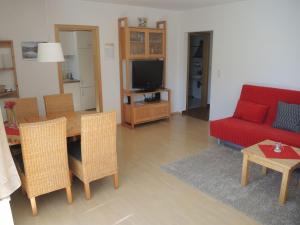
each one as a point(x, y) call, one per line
point(30, 49)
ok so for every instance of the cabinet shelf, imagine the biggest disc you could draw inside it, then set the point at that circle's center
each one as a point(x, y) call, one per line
point(143, 103)
point(141, 92)
point(10, 78)
point(7, 69)
point(9, 94)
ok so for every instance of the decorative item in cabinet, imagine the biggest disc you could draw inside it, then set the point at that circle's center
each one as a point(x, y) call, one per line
point(8, 70)
point(142, 21)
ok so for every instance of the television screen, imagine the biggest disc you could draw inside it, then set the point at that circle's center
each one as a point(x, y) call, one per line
point(147, 75)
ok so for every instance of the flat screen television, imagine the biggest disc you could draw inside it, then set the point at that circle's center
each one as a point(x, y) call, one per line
point(147, 75)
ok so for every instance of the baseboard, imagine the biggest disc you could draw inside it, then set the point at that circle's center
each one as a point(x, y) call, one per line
point(176, 113)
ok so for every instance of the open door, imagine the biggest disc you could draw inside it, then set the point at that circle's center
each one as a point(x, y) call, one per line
point(198, 85)
point(80, 73)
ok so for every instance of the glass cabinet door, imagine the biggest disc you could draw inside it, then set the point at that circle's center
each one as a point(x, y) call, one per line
point(156, 43)
point(137, 43)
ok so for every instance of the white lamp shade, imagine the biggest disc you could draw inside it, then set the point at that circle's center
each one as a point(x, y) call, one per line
point(50, 52)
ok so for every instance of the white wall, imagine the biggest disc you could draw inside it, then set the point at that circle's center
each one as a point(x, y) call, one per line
point(255, 41)
point(26, 21)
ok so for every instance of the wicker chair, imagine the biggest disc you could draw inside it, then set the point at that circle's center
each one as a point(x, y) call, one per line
point(25, 108)
point(95, 156)
point(45, 159)
point(60, 103)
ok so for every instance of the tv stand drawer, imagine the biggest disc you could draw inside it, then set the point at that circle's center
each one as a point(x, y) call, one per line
point(160, 111)
point(147, 112)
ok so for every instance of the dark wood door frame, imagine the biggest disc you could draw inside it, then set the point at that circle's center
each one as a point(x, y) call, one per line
point(207, 35)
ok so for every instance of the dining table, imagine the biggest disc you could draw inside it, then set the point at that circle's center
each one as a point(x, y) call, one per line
point(73, 124)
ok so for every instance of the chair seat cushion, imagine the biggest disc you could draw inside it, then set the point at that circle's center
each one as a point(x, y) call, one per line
point(74, 149)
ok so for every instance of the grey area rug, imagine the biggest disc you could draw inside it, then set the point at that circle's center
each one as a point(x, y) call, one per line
point(217, 172)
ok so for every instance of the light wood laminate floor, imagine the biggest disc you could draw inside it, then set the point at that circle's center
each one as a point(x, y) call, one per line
point(146, 195)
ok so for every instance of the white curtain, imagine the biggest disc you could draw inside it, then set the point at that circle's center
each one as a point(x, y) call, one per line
point(9, 178)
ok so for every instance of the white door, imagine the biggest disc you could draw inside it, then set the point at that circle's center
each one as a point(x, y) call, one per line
point(86, 67)
point(87, 79)
point(74, 89)
point(88, 98)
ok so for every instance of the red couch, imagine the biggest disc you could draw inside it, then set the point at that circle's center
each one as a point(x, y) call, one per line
point(244, 133)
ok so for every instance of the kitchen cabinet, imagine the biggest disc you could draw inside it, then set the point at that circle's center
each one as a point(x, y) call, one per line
point(68, 42)
point(74, 89)
point(84, 39)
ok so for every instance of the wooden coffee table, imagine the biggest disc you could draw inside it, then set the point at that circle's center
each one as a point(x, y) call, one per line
point(284, 166)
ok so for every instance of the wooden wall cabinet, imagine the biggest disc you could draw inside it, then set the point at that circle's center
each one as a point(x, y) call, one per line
point(141, 43)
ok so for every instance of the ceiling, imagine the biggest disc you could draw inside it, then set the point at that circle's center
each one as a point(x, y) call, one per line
point(168, 4)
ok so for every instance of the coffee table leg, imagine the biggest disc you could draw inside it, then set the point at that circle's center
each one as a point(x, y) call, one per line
point(284, 186)
point(245, 171)
point(264, 170)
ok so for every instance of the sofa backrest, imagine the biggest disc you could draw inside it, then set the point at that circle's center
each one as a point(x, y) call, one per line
point(269, 96)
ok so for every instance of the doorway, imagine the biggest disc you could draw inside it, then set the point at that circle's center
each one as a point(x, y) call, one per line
point(198, 79)
point(80, 74)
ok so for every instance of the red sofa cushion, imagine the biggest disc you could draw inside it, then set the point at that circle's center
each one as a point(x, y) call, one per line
point(247, 133)
point(251, 111)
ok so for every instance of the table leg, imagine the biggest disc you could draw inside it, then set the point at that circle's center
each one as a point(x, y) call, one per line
point(284, 186)
point(264, 170)
point(245, 171)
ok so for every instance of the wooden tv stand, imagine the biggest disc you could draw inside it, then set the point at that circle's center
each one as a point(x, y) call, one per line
point(138, 112)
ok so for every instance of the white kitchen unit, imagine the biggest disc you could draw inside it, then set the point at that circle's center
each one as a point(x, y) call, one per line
point(84, 39)
point(86, 67)
point(86, 71)
point(81, 66)
point(88, 98)
point(68, 42)
point(74, 89)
